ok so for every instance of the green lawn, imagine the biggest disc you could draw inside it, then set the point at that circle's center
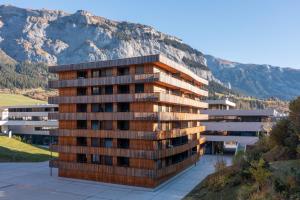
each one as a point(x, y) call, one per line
point(17, 99)
point(12, 150)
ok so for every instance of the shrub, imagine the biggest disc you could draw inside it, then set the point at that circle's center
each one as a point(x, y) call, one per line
point(220, 165)
point(259, 172)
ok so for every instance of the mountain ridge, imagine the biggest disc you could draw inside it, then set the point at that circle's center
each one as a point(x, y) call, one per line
point(260, 79)
point(57, 37)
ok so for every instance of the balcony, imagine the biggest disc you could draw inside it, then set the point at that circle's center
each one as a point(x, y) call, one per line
point(145, 135)
point(121, 152)
point(142, 97)
point(164, 116)
point(127, 79)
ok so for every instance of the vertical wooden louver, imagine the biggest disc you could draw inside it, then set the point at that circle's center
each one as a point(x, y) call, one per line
point(133, 121)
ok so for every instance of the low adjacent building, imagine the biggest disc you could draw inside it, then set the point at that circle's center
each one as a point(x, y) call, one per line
point(28, 121)
point(229, 129)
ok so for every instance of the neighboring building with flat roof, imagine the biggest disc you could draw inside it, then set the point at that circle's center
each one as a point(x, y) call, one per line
point(228, 129)
point(28, 121)
point(133, 121)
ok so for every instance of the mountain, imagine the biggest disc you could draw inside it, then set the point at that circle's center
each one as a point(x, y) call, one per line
point(56, 37)
point(257, 80)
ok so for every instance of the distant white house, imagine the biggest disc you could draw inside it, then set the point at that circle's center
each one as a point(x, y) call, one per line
point(28, 121)
point(228, 128)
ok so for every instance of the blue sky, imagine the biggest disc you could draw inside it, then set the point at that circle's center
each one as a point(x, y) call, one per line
point(247, 31)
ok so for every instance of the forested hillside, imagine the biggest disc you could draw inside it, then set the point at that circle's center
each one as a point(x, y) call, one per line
point(23, 75)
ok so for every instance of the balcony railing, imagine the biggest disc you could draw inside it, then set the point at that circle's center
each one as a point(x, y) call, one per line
point(165, 116)
point(152, 97)
point(145, 135)
point(127, 79)
point(132, 153)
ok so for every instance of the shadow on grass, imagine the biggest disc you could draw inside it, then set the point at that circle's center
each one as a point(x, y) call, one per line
point(9, 155)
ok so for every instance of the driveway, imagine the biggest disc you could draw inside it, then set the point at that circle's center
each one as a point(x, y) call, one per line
point(32, 181)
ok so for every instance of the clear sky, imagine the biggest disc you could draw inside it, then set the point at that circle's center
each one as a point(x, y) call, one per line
point(248, 31)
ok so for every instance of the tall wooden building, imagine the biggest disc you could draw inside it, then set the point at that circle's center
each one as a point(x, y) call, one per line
point(133, 121)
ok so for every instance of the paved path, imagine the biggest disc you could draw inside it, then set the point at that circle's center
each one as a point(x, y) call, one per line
point(32, 181)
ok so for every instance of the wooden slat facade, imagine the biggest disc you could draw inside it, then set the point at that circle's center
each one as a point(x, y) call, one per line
point(133, 121)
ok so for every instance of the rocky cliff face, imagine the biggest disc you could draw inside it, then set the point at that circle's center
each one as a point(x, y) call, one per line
point(257, 80)
point(56, 37)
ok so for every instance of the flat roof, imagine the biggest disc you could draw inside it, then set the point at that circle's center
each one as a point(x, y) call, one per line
point(30, 106)
point(156, 58)
point(233, 112)
point(233, 126)
point(221, 102)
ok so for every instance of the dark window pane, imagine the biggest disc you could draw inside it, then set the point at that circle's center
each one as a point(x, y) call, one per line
point(123, 143)
point(108, 160)
point(81, 141)
point(123, 71)
point(123, 89)
point(108, 107)
point(81, 91)
point(139, 88)
point(96, 125)
point(81, 158)
point(95, 142)
point(81, 107)
point(108, 89)
point(96, 107)
point(123, 125)
point(123, 107)
point(123, 161)
point(81, 74)
point(81, 124)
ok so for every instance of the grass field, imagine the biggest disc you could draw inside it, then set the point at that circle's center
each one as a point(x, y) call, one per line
point(17, 99)
point(12, 150)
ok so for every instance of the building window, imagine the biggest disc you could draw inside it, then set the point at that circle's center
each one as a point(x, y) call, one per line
point(81, 107)
point(108, 143)
point(96, 73)
point(95, 142)
point(159, 164)
point(194, 150)
point(81, 141)
point(81, 158)
point(108, 160)
point(123, 125)
point(139, 88)
point(96, 125)
point(108, 107)
point(139, 69)
point(123, 143)
point(108, 89)
point(81, 91)
point(123, 107)
point(81, 74)
point(179, 140)
point(123, 89)
point(123, 71)
point(97, 107)
point(96, 90)
point(106, 72)
point(95, 159)
point(123, 161)
point(81, 124)
point(107, 125)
